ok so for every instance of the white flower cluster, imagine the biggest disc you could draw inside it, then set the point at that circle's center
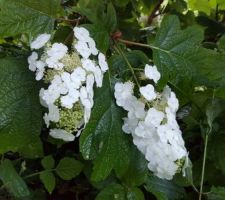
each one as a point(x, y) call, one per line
point(152, 122)
point(71, 77)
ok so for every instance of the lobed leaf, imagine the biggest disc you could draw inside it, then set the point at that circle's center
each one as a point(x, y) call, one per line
point(20, 110)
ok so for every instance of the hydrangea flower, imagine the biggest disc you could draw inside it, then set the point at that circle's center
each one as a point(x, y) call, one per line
point(71, 77)
point(152, 73)
point(40, 41)
point(153, 124)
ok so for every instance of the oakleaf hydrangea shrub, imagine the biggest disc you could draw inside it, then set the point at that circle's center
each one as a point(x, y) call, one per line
point(70, 76)
point(112, 99)
point(151, 120)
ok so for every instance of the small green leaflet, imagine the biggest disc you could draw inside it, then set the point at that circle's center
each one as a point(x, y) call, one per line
point(48, 179)
point(68, 168)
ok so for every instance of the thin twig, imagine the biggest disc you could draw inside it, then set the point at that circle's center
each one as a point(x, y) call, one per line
point(203, 167)
point(152, 15)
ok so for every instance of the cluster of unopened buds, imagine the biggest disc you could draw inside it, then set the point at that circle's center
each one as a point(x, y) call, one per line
point(70, 77)
point(152, 122)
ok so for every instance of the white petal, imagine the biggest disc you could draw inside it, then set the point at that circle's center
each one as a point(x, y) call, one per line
point(62, 134)
point(40, 41)
point(152, 73)
point(148, 92)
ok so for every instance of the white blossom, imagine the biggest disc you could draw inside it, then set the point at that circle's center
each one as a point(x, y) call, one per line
point(102, 62)
point(83, 49)
point(152, 73)
point(62, 134)
point(148, 92)
point(40, 69)
point(69, 85)
point(154, 117)
point(92, 46)
point(40, 41)
point(32, 60)
point(153, 125)
point(53, 114)
point(123, 92)
point(81, 33)
point(57, 51)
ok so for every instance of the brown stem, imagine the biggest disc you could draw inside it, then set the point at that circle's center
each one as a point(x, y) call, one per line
point(127, 42)
point(72, 21)
point(152, 15)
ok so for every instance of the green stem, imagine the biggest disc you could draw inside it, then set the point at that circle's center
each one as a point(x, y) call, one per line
point(128, 64)
point(203, 167)
point(38, 173)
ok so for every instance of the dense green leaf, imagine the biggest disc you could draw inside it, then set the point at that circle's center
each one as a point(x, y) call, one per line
point(173, 48)
point(110, 21)
point(20, 112)
point(178, 54)
point(216, 193)
point(103, 138)
point(69, 168)
point(213, 109)
point(163, 189)
point(48, 179)
point(92, 9)
point(111, 192)
point(137, 169)
point(12, 180)
point(210, 65)
point(217, 150)
point(135, 194)
point(121, 3)
point(48, 162)
point(27, 16)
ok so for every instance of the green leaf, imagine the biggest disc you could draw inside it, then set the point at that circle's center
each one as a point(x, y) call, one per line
point(111, 192)
point(178, 55)
point(92, 9)
point(68, 168)
point(135, 194)
point(110, 20)
point(163, 189)
point(213, 109)
point(20, 110)
point(33, 150)
point(12, 180)
point(173, 48)
point(137, 169)
point(202, 5)
point(48, 162)
point(121, 3)
point(103, 139)
point(216, 193)
point(48, 179)
point(211, 66)
point(100, 36)
point(217, 150)
point(27, 16)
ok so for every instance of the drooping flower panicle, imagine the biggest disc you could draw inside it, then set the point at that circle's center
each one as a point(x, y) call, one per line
point(152, 122)
point(71, 76)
